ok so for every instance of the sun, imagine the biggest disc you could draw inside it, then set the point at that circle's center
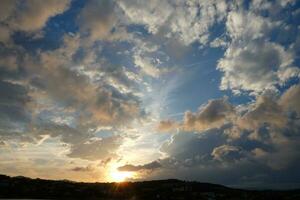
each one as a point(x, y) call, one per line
point(118, 176)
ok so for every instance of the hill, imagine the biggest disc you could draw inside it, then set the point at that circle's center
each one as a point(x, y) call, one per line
point(22, 187)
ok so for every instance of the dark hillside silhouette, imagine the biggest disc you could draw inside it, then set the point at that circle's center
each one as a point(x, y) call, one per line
point(22, 187)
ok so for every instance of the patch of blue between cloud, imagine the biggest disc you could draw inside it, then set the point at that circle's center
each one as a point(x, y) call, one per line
point(53, 32)
point(200, 83)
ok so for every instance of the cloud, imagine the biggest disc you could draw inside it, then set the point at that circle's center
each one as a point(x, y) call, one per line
point(151, 13)
point(96, 148)
point(48, 95)
point(263, 136)
point(265, 110)
point(34, 14)
point(245, 25)
point(97, 19)
point(13, 113)
point(290, 99)
point(192, 21)
point(83, 169)
point(146, 66)
point(166, 125)
point(253, 62)
point(188, 145)
point(256, 66)
point(227, 153)
point(218, 42)
point(188, 22)
point(98, 101)
point(65, 133)
point(7, 7)
point(211, 157)
point(28, 16)
point(2, 144)
point(8, 61)
point(149, 166)
point(214, 114)
point(5, 34)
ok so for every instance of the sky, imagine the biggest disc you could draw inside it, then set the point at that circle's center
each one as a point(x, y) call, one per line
point(114, 90)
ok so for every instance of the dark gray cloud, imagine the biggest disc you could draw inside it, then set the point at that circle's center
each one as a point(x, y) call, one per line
point(83, 169)
point(132, 168)
point(96, 148)
point(14, 116)
point(260, 142)
point(214, 114)
point(186, 145)
point(213, 157)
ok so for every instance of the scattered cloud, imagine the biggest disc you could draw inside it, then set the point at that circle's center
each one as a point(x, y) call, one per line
point(262, 135)
point(83, 169)
point(214, 114)
point(35, 14)
point(89, 82)
point(98, 19)
point(166, 126)
point(149, 166)
point(187, 21)
point(255, 67)
point(96, 148)
point(28, 16)
point(290, 99)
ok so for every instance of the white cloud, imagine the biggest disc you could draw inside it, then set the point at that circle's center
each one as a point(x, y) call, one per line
point(247, 26)
point(188, 21)
point(146, 66)
point(227, 153)
point(192, 20)
point(218, 42)
point(153, 13)
point(256, 66)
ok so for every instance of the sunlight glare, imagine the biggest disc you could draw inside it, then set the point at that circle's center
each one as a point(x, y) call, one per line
point(118, 176)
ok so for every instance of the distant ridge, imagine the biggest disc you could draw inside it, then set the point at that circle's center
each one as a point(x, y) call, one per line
point(23, 187)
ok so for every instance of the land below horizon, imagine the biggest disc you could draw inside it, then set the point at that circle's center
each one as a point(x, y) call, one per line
point(24, 187)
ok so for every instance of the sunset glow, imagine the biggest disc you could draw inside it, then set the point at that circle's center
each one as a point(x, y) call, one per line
point(117, 176)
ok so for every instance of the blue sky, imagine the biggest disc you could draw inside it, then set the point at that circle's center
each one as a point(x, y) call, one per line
point(104, 90)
